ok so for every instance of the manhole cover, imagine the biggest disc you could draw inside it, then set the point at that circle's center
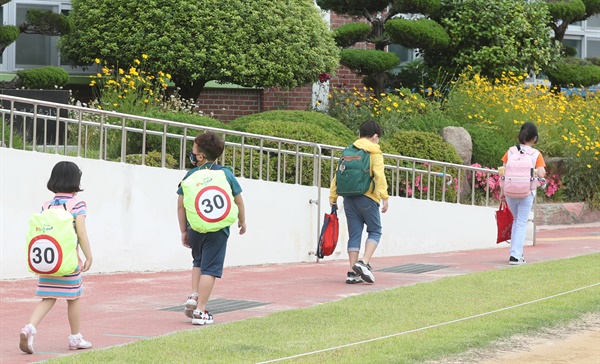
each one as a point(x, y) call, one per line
point(221, 305)
point(413, 268)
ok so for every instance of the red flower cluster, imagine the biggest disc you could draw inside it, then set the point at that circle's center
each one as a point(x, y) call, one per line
point(324, 77)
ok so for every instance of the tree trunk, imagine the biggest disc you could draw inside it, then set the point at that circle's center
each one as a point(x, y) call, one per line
point(189, 90)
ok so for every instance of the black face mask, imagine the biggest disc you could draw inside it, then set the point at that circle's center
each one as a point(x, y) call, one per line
point(192, 157)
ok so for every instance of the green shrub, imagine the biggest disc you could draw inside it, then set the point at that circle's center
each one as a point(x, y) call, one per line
point(580, 179)
point(574, 72)
point(43, 78)
point(488, 145)
point(153, 159)
point(8, 34)
point(305, 126)
point(349, 34)
point(300, 125)
point(430, 146)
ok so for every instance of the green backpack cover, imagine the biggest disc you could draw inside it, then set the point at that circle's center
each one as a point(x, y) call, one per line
point(52, 243)
point(353, 175)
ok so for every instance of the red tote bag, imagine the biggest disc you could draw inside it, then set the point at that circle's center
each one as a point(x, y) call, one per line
point(504, 220)
point(329, 234)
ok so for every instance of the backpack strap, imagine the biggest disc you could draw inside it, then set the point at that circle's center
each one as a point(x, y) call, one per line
point(68, 205)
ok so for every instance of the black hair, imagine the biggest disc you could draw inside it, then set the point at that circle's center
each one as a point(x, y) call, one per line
point(369, 128)
point(65, 177)
point(210, 144)
point(528, 133)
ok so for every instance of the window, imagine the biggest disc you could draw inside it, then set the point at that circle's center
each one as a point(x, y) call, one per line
point(34, 50)
point(593, 47)
point(593, 22)
point(405, 54)
point(575, 43)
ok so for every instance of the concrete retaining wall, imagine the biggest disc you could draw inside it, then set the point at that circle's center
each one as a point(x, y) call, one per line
point(132, 218)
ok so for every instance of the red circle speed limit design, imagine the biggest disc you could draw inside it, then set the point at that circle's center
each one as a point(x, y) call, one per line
point(213, 204)
point(45, 254)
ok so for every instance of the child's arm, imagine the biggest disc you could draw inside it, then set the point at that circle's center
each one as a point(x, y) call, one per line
point(83, 241)
point(182, 222)
point(241, 212)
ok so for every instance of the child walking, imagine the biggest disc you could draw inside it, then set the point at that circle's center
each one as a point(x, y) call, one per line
point(521, 207)
point(363, 210)
point(209, 202)
point(65, 183)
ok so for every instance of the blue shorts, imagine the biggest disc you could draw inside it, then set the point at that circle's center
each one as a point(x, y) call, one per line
point(361, 211)
point(208, 251)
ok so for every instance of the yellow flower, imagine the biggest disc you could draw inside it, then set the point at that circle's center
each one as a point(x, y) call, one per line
point(146, 101)
point(121, 71)
point(97, 60)
point(99, 75)
point(144, 56)
point(168, 76)
point(136, 61)
point(99, 107)
point(115, 104)
point(589, 166)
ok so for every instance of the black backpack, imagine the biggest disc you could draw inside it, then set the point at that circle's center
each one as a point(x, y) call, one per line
point(353, 175)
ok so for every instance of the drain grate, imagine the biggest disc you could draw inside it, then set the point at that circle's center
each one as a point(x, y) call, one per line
point(221, 305)
point(413, 268)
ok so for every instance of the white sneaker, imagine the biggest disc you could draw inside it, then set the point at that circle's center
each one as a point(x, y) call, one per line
point(515, 261)
point(26, 338)
point(190, 305)
point(203, 318)
point(77, 342)
point(364, 271)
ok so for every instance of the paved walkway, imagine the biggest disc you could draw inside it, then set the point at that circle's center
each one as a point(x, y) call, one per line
point(122, 308)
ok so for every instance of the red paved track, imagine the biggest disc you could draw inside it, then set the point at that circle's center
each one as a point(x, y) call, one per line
point(122, 308)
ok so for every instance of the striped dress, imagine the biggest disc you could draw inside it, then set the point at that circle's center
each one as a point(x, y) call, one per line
point(71, 285)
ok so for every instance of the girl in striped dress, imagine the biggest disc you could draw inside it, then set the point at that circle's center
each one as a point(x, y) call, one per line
point(65, 183)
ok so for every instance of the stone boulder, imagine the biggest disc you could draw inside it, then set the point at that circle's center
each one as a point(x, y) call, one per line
point(461, 140)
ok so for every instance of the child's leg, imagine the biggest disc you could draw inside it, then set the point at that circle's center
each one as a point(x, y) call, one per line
point(352, 258)
point(74, 313)
point(370, 247)
point(41, 309)
point(196, 273)
point(205, 287)
point(29, 331)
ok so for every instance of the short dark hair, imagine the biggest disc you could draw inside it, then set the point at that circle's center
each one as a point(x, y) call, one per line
point(528, 133)
point(369, 128)
point(210, 144)
point(65, 177)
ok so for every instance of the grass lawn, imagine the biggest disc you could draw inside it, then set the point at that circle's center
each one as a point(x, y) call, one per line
point(410, 324)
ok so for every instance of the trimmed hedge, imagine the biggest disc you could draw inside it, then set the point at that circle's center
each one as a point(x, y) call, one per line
point(488, 145)
point(43, 78)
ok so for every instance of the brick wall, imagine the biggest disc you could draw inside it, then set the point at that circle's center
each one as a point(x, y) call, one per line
point(229, 104)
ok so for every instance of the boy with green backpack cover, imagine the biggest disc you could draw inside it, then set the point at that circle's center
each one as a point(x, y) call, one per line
point(360, 179)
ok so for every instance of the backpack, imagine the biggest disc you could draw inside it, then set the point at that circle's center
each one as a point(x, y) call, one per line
point(329, 234)
point(519, 175)
point(353, 175)
point(208, 200)
point(52, 241)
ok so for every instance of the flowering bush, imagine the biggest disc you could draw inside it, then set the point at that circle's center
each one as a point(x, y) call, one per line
point(129, 91)
point(553, 184)
point(485, 179)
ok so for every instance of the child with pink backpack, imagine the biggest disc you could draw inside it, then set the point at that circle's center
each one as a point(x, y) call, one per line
point(524, 169)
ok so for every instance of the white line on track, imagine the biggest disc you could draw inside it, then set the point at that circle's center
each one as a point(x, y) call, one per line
point(427, 327)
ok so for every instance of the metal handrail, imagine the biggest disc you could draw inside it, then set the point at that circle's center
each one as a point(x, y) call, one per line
point(407, 174)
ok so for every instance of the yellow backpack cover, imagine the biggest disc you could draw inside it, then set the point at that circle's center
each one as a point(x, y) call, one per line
point(52, 243)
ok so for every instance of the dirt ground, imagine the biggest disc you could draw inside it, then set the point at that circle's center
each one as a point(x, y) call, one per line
point(575, 343)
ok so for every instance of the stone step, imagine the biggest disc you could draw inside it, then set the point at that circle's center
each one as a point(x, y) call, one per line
point(566, 214)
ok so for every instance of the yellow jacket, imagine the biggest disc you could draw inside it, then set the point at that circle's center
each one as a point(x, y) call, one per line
point(380, 191)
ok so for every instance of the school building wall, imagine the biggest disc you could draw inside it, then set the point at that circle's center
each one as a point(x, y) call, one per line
point(132, 219)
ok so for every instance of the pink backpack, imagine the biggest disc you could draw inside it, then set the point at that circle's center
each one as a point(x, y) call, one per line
point(519, 175)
